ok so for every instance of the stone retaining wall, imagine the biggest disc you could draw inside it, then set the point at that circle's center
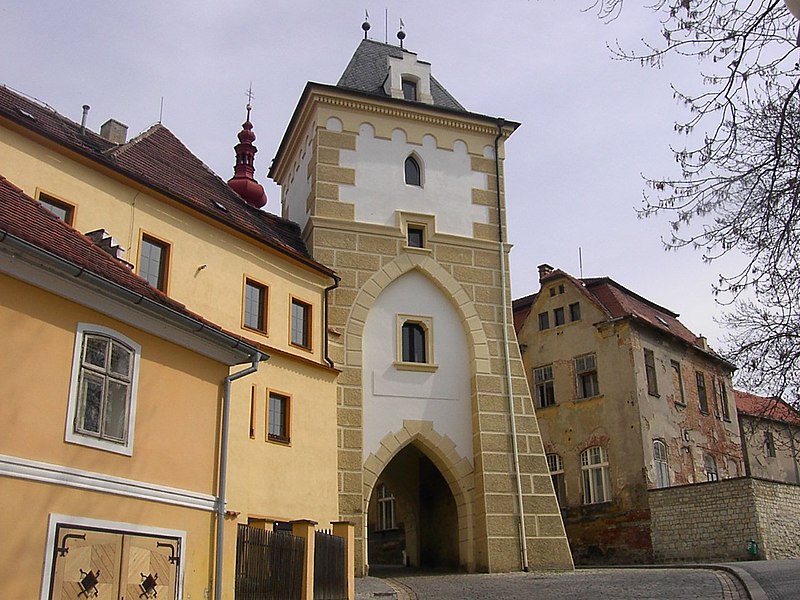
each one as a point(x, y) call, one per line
point(714, 521)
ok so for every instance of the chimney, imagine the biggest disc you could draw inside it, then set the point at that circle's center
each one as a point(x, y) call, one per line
point(104, 241)
point(83, 118)
point(114, 131)
point(544, 270)
point(702, 342)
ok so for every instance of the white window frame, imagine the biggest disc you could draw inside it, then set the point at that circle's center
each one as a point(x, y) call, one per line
point(586, 367)
point(661, 463)
point(542, 376)
point(386, 509)
point(555, 464)
point(592, 462)
point(71, 434)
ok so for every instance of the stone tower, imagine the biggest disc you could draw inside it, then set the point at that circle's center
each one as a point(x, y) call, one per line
point(399, 189)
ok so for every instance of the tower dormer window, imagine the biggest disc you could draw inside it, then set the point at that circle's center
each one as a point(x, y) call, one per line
point(413, 172)
point(409, 89)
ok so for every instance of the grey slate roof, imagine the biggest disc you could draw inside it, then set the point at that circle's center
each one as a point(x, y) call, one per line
point(368, 68)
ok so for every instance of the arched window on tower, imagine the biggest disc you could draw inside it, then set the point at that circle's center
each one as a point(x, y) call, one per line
point(413, 172)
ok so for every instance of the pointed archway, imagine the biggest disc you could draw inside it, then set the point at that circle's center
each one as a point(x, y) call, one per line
point(419, 512)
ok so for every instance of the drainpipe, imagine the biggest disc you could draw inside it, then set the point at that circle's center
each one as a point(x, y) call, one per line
point(223, 468)
point(506, 356)
point(328, 290)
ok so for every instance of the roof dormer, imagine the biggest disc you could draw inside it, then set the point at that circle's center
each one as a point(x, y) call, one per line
point(409, 79)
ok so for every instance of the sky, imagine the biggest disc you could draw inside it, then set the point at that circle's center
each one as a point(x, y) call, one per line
point(592, 127)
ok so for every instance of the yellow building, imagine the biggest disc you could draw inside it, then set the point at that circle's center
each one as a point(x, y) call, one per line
point(399, 189)
point(186, 231)
point(110, 420)
point(628, 399)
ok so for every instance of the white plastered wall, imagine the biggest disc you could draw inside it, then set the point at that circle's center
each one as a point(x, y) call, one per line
point(392, 395)
point(380, 190)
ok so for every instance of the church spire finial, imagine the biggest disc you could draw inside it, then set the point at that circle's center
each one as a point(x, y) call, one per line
point(243, 181)
point(365, 25)
point(401, 35)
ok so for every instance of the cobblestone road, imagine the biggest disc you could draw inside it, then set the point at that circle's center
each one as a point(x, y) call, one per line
point(594, 584)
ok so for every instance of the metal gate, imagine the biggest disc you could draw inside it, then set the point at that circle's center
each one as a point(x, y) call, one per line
point(330, 581)
point(269, 565)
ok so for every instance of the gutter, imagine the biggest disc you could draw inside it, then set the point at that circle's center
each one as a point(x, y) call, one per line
point(506, 356)
point(223, 469)
point(188, 323)
point(328, 290)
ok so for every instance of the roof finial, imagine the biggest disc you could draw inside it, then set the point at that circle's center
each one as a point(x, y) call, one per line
point(365, 25)
point(243, 181)
point(401, 35)
point(250, 96)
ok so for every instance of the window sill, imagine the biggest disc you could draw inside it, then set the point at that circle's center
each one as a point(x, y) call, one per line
point(278, 440)
point(417, 250)
point(680, 404)
point(99, 444)
point(300, 347)
point(420, 367)
point(590, 397)
point(255, 330)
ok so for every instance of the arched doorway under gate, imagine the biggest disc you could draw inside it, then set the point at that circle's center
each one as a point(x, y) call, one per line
point(413, 518)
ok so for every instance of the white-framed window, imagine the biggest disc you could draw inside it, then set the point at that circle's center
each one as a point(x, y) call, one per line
point(586, 373)
point(414, 343)
point(661, 465)
point(102, 397)
point(409, 89)
point(594, 475)
point(545, 390)
point(386, 509)
point(556, 466)
point(711, 467)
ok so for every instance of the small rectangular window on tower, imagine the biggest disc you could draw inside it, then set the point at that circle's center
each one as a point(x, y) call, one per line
point(416, 236)
point(409, 90)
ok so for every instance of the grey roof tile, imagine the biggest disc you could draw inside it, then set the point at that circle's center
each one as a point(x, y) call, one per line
point(368, 68)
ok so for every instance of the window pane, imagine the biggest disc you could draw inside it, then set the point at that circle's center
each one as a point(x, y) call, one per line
point(120, 360)
point(415, 237)
point(91, 398)
point(575, 312)
point(116, 411)
point(95, 351)
point(409, 89)
point(60, 209)
point(558, 316)
point(152, 262)
point(413, 343)
point(300, 324)
point(412, 172)
point(254, 303)
point(544, 321)
point(277, 417)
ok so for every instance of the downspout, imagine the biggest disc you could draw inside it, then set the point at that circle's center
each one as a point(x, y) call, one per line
point(506, 356)
point(223, 470)
point(328, 290)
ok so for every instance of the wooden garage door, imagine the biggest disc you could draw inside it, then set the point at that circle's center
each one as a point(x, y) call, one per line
point(111, 565)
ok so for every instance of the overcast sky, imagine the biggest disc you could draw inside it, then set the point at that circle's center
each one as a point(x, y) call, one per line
point(591, 126)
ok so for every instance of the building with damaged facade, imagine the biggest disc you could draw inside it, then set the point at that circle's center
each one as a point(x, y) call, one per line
point(628, 400)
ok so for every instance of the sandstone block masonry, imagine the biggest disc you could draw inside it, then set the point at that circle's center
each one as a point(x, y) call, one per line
point(714, 521)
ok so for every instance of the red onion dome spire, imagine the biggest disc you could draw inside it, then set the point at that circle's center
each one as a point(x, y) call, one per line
point(243, 182)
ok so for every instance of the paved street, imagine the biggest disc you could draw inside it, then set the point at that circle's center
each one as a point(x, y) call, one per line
point(584, 584)
point(779, 579)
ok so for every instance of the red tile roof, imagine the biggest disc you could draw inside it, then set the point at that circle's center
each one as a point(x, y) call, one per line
point(26, 219)
point(774, 409)
point(617, 302)
point(160, 161)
